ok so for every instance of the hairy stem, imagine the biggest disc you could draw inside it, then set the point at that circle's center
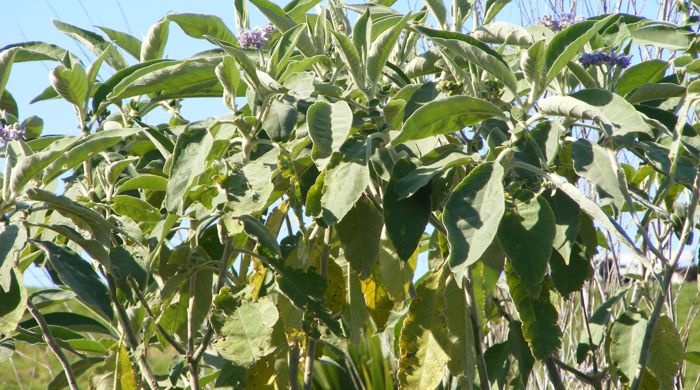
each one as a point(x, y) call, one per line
point(476, 332)
point(51, 342)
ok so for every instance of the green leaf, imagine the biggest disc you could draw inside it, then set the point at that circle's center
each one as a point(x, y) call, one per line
point(493, 7)
point(533, 64)
point(623, 346)
point(329, 127)
point(526, 234)
point(622, 116)
point(94, 42)
point(78, 275)
point(649, 71)
point(7, 57)
point(71, 83)
point(144, 181)
point(41, 51)
point(12, 303)
point(12, 239)
point(692, 357)
point(284, 22)
point(380, 50)
point(351, 57)
point(444, 116)
point(229, 76)
point(663, 36)
point(79, 367)
point(538, 315)
point(249, 188)
point(129, 43)
point(435, 163)
point(503, 33)
point(93, 248)
point(343, 186)
point(246, 335)
point(200, 26)
point(84, 149)
point(360, 231)
point(106, 88)
point(570, 107)
point(472, 215)
point(655, 91)
point(189, 161)
point(135, 208)
point(592, 162)
point(424, 354)
point(153, 45)
point(284, 49)
point(167, 78)
point(405, 218)
point(666, 352)
point(437, 7)
point(73, 321)
point(567, 214)
point(569, 43)
point(570, 277)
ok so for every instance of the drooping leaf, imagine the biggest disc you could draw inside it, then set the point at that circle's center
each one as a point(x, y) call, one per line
point(329, 126)
point(624, 346)
point(12, 303)
point(405, 219)
point(592, 162)
point(570, 107)
point(246, 335)
point(423, 353)
point(199, 26)
point(538, 315)
point(135, 208)
point(12, 239)
point(446, 116)
point(93, 41)
point(189, 161)
point(567, 214)
point(663, 35)
point(623, 117)
point(666, 352)
point(78, 275)
point(129, 43)
point(502, 32)
point(526, 234)
point(153, 44)
point(343, 186)
point(570, 277)
point(472, 215)
point(649, 71)
point(360, 231)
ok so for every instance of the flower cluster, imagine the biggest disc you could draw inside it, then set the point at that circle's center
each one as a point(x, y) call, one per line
point(565, 21)
point(610, 59)
point(8, 134)
point(255, 38)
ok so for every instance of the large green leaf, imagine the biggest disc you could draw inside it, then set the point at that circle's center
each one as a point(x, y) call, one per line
point(249, 188)
point(624, 344)
point(83, 150)
point(246, 335)
point(526, 234)
point(649, 71)
point(343, 186)
point(621, 115)
point(186, 75)
point(189, 161)
point(570, 277)
point(592, 162)
point(129, 43)
point(78, 275)
point(533, 64)
point(95, 42)
point(199, 26)
point(538, 315)
point(360, 231)
point(472, 215)
point(666, 352)
point(567, 44)
point(70, 83)
point(663, 36)
point(12, 303)
point(144, 181)
point(352, 58)
point(135, 208)
point(444, 116)
point(153, 44)
point(12, 239)
point(424, 354)
point(567, 214)
point(329, 127)
point(406, 218)
point(28, 167)
point(380, 50)
point(7, 57)
point(570, 107)
point(502, 32)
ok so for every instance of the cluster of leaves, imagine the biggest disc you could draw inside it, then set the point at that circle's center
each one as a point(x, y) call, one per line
point(253, 244)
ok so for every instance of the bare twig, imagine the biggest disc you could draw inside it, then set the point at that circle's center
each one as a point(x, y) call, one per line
point(51, 342)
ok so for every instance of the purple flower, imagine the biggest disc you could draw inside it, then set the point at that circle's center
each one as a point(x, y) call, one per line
point(10, 134)
point(608, 58)
point(255, 38)
point(563, 22)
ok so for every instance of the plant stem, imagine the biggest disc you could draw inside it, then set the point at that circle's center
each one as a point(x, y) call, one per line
point(192, 364)
point(668, 274)
point(51, 342)
point(310, 341)
point(476, 331)
point(293, 366)
point(553, 373)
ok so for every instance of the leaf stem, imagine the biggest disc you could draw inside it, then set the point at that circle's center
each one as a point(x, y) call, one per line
point(470, 301)
point(51, 342)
